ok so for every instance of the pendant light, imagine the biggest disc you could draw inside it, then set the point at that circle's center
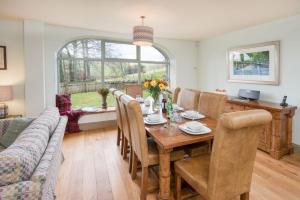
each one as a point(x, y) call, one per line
point(143, 35)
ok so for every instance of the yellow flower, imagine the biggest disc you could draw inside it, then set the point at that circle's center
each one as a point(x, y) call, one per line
point(153, 83)
point(146, 84)
point(161, 86)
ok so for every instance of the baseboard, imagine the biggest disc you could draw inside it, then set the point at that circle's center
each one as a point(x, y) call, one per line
point(97, 125)
point(296, 148)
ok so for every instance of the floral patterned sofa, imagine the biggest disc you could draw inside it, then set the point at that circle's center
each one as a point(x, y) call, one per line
point(29, 167)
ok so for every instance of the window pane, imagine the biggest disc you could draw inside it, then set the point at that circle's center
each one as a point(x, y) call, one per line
point(122, 51)
point(93, 48)
point(153, 71)
point(151, 54)
point(117, 73)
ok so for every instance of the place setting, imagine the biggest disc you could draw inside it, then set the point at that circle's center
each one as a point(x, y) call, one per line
point(192, 115)
point(155, 119)
point(194, 128)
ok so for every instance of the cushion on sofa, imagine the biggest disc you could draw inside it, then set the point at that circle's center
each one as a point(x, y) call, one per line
point(20, 159)
point(13, 131)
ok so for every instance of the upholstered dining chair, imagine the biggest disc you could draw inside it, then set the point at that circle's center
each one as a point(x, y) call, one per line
point(211, 105)
point(189, 99)
point(176, 92)
point(133, 90)
point(126, 130)
point(144, 149)
point(120, 136)
point(227, 172)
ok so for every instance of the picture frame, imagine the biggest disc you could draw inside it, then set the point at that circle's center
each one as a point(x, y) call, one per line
point(256, 63)
point(3, 61)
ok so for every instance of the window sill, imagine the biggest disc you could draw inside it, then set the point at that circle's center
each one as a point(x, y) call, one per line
point(100, 110)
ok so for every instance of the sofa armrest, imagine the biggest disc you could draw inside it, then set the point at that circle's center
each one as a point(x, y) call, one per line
point(4, 123)
point(21, 190)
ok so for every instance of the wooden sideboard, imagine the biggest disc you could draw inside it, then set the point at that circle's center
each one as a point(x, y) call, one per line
point(277, 137)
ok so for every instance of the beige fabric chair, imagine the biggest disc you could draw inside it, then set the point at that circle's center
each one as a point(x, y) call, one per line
point(189, 99)
point(226, 173)
point(112, 90)
point(211, 105)
point(176, 94)
point(144, 149)
point(133, 90)
point(117, 94)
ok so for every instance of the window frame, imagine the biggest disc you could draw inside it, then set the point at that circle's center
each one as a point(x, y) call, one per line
point(103, 59)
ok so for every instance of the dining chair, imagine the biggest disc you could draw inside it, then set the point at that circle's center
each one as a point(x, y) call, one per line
point(211, 105)
point(189, 99)
point(176, 92)
point(144, 149)
point(133, 90)
point(117, 94)
point(126, 129)
point(226, 173)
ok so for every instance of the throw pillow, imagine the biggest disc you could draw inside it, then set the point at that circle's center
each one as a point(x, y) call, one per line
point(13, 131)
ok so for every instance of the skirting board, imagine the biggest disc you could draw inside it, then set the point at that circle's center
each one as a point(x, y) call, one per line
point(96, 125)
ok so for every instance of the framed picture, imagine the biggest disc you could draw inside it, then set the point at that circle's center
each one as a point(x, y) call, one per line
point(257, 63)
point(3, 58)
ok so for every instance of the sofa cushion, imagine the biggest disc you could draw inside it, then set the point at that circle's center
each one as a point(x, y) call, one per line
point(13, 131)
point(20, 159)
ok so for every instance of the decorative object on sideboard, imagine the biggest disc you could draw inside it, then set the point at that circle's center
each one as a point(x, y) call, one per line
point(3, 61)
point(284, 103)
point(249, 94)
point(104, 92)
point(257, 63)
point(5, 95)
point(142, 35)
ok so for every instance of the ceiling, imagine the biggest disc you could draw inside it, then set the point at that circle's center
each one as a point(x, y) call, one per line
point(177, 19)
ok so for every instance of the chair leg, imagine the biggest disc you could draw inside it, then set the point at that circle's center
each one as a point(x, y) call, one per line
point(245, 196)
point(177, 187)
point(122, 143)
point(130, 159)
point(125, 148)
point(119, 136)
point(134, 166)
point(144, 185)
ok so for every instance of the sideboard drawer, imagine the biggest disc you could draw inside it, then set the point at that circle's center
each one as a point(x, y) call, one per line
point(229, 107)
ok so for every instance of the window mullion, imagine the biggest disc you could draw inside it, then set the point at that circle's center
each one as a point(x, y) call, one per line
point(138, 56)
point(102, 60)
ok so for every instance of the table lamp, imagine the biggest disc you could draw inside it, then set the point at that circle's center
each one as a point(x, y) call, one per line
point(5, 95)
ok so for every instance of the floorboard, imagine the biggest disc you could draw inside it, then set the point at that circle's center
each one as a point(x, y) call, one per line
point(94, 170)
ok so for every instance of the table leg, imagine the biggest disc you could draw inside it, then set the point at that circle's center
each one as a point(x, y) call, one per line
point(164, 174)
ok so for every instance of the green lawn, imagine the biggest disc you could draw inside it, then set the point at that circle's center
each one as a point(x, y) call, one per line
point(90, 99)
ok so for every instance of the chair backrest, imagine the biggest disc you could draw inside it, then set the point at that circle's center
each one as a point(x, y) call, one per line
point(189, 99)
point(211, 104)
point(124, 116)
point(133, 90)
point(112, 90)
point(234, 151)
point(117, 94)
point(175, 95)
point(137, 129)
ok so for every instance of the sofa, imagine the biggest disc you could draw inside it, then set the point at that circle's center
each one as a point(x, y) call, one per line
point(29, 167)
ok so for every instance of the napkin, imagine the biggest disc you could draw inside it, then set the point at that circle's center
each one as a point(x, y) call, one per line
point(154, 118)
point(194, 126)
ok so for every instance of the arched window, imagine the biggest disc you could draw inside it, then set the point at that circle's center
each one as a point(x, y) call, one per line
point(87, 64)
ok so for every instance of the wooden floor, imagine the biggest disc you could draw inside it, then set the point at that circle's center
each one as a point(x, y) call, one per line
point(94, 169)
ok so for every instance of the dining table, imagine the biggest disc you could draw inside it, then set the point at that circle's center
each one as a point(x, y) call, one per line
point(169, 137)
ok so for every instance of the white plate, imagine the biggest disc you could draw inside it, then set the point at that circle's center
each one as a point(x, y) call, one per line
point(200, 116)
point(205, 130)
point(163, 121)
point(177, 108)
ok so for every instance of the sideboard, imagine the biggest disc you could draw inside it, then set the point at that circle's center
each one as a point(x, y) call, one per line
point(277, 136)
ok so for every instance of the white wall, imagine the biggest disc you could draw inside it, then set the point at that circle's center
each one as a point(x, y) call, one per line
point(213, 68)
point(35, 69)
point(183, 55)
point(11, 36)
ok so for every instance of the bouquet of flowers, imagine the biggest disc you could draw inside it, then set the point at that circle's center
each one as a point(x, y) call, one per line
point(155, 88)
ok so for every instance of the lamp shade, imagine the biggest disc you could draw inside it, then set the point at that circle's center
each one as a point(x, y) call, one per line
point(142, 36)
point(5, 93)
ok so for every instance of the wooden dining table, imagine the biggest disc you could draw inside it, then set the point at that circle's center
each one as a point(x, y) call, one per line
point(167, 138)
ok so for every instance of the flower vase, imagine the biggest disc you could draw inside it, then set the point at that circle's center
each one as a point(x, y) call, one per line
point(156, 101)
point(104, 101)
